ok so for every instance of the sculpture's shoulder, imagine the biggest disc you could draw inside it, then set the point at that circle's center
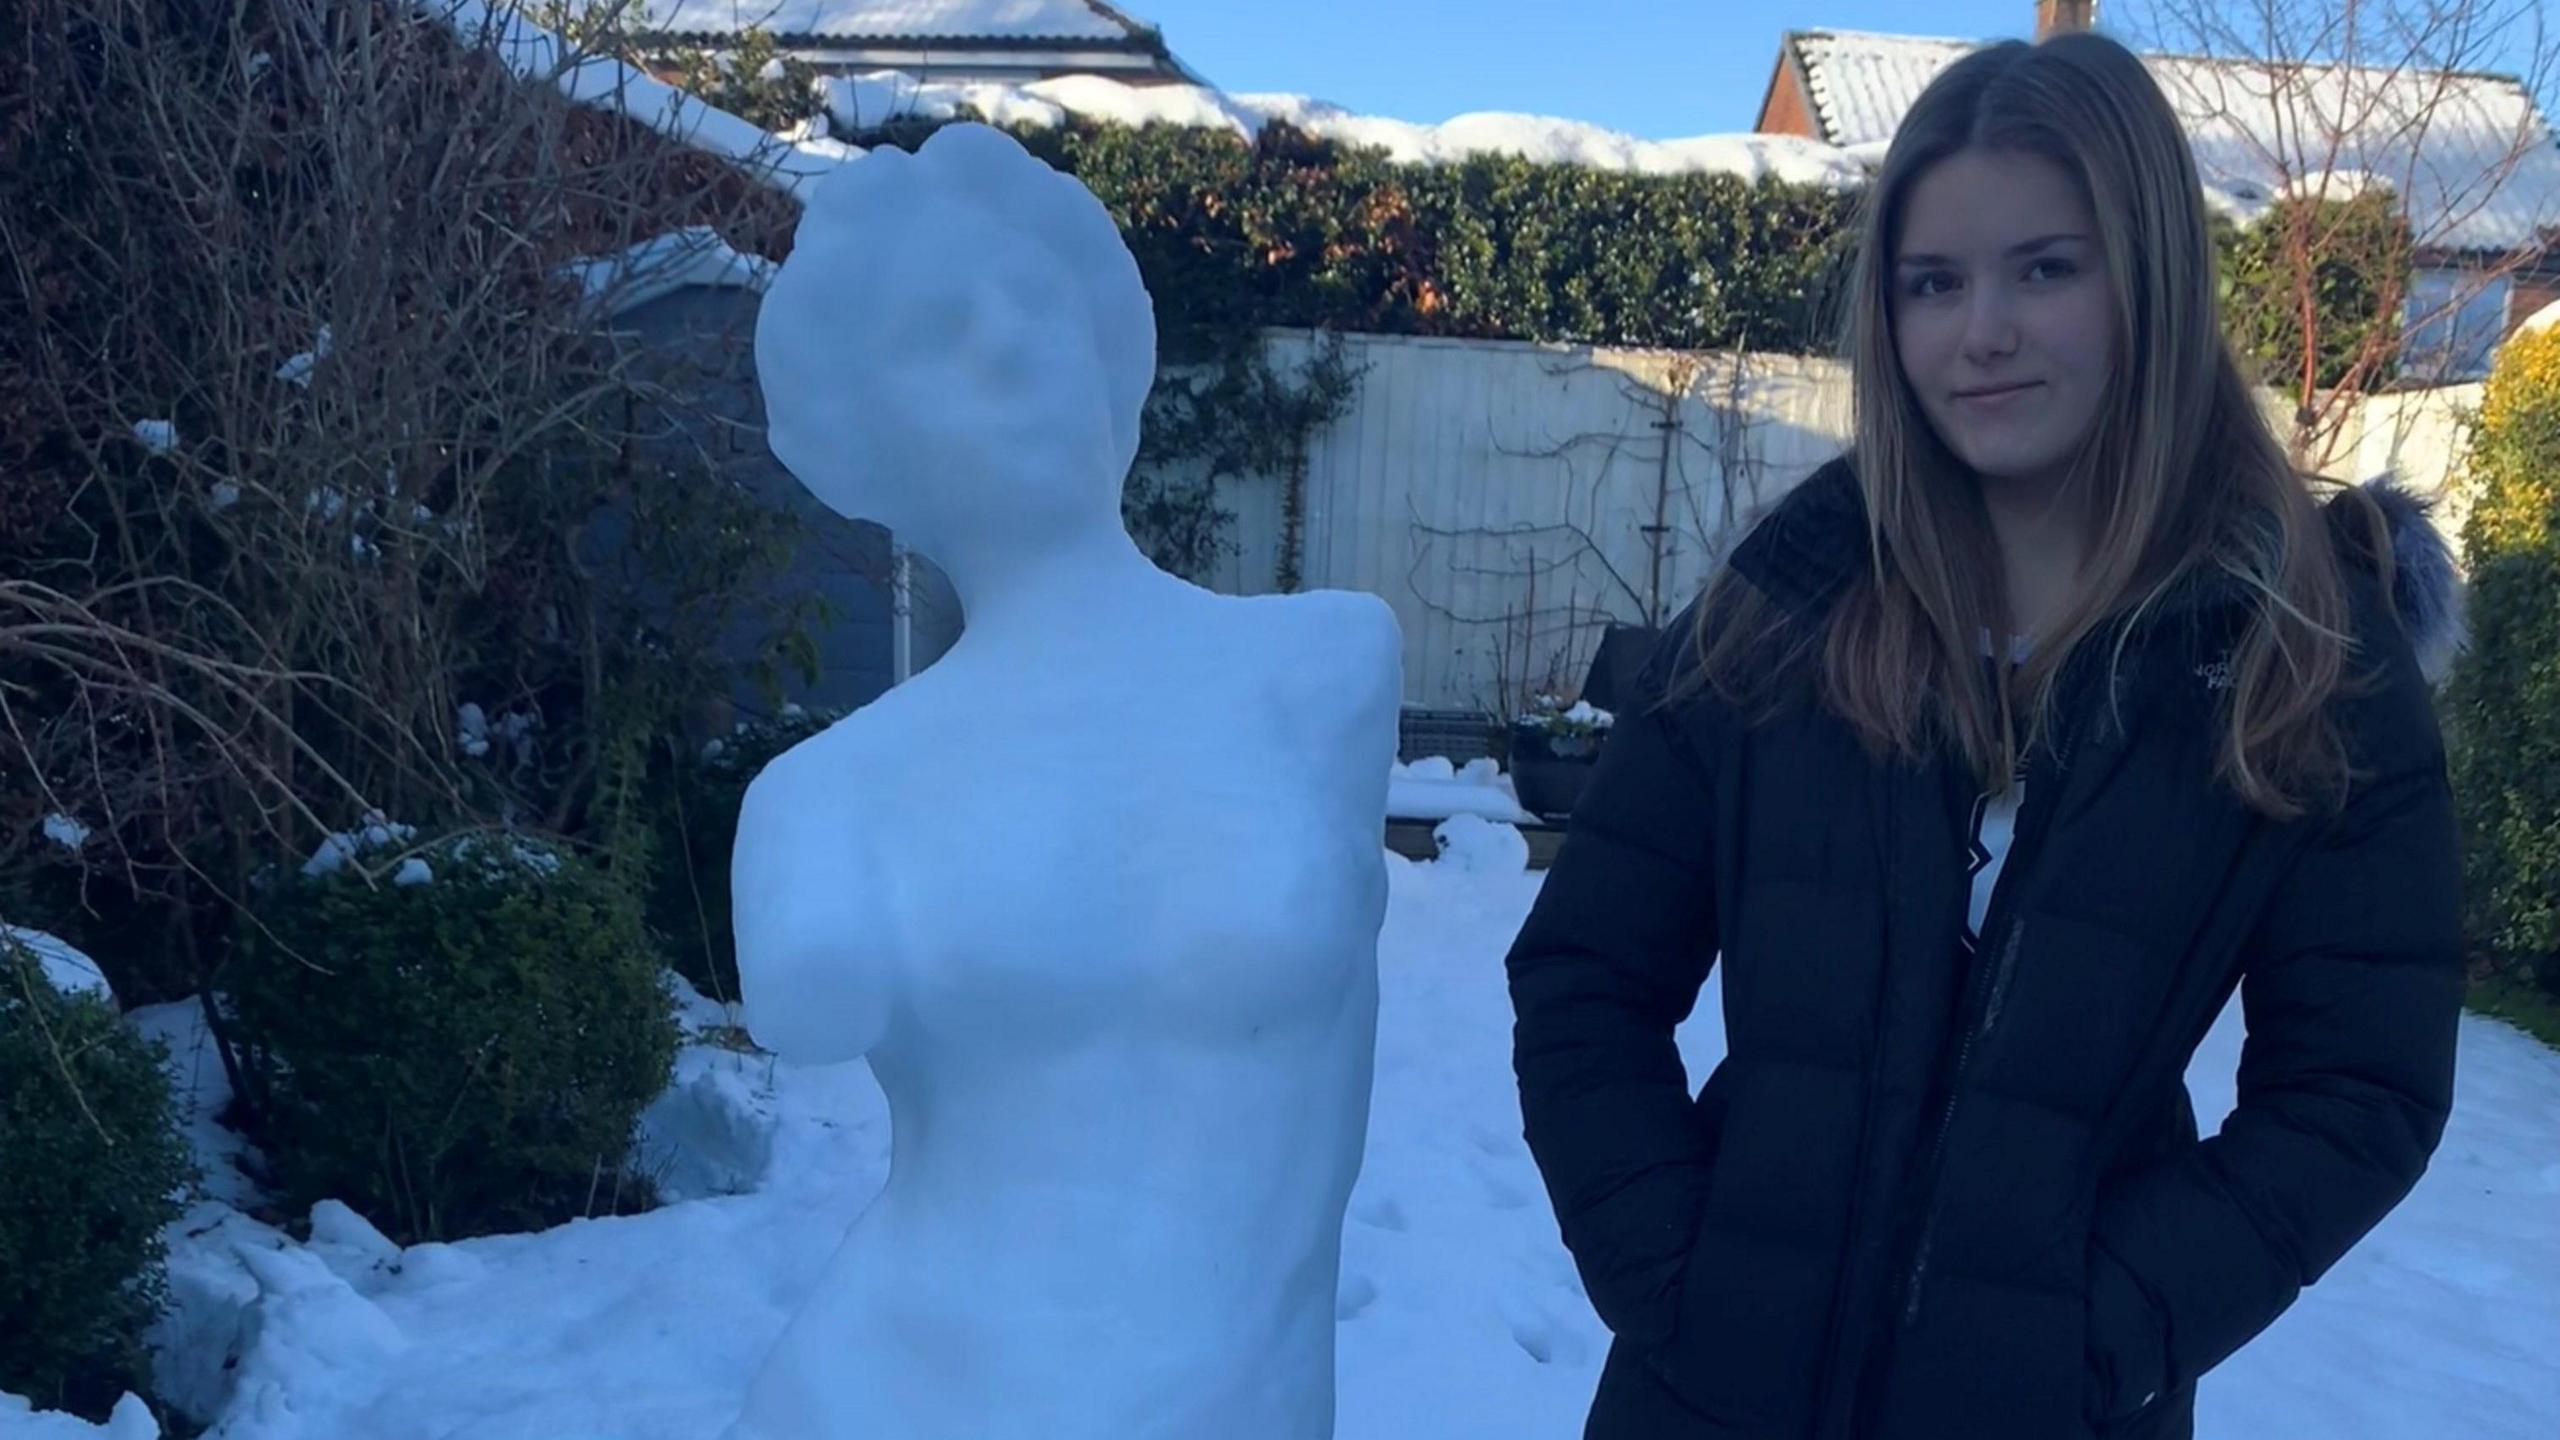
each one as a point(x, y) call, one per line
point(1338, 662)
point(1359, 631)
point(803, 847)
point(793, 800)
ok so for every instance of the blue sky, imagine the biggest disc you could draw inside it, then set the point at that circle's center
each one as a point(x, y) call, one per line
point(1655, 68)
point(1660, 69)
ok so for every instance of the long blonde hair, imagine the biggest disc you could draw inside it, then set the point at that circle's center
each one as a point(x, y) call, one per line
point(2179, 473)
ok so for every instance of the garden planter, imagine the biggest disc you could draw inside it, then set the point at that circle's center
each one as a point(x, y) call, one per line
point(1549, 770)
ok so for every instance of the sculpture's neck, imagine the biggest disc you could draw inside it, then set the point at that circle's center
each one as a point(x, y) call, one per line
point(1006, 580)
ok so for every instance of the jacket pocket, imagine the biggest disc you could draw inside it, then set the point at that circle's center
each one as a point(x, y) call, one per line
point(2128, 1343)
point(1750, 1332)
point(1756, 1292)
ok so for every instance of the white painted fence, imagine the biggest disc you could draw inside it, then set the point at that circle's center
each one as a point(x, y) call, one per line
point(1512, 501)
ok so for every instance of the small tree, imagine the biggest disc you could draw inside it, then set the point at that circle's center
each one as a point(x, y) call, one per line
point(2324, 274)
point(2318, 106)
point(2505, 698)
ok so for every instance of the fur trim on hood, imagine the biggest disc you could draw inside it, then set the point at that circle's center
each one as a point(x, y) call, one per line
point(2426, 580)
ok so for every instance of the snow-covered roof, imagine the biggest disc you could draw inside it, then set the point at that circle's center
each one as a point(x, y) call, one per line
point(534, 53)
point(997, 20)
point(1859, 84)
point(664, 264)
point(860, 102)
point(2472, 154)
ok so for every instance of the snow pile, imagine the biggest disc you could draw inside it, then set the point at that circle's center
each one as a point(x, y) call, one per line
point(338, 850)
point(158, 436)
point(501, 853)
point(20, 1420)
point(1434, 789)
point(202, 1089)
point(297, 370)
point(1480, 846)
point(64, 831)
point(1558, 141)
point(712, 1132)
point(70, 972)
point(863, 102)
point(1580, 717)
point(476, 735)
point(496, 855)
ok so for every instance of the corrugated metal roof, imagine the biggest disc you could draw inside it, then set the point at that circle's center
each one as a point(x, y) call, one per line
point(1861, 83)
point(2471, 155)
point(905, 20)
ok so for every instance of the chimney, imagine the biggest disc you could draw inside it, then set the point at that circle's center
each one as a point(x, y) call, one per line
point(2054, 17)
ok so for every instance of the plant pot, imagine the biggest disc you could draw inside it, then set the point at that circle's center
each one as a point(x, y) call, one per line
point(1549, 771)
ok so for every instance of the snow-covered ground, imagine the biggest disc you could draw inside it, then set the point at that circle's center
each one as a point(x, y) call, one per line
point(1433, 788)
point(1460, 1313)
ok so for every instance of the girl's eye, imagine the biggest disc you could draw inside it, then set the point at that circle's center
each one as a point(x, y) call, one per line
point(2052, 267)
point(1929, 283)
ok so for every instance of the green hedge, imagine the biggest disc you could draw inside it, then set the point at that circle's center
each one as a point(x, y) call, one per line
point(457, 1057)
point(2504, 703)
point(1294, 230)
point(91, 1167)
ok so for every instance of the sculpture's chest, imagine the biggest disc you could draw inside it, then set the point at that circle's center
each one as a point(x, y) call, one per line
point(1188, 870)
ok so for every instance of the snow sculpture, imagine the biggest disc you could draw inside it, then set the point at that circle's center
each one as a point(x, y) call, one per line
point(1098, 895)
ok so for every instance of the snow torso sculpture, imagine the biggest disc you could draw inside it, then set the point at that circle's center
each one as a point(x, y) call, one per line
point(1098, 894)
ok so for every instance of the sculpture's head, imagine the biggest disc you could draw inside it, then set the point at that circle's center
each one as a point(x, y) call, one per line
point(959, 339)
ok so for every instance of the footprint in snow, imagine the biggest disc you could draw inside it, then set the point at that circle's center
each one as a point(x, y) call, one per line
point(1540, 1334)
point(1382, 1213)
point(1501, 1187)
point(1357, 1294)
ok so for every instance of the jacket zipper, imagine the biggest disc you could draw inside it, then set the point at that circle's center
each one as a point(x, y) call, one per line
point(1993, 990)
point(1985, 997)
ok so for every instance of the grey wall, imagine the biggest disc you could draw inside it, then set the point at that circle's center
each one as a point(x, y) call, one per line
point(699, 344)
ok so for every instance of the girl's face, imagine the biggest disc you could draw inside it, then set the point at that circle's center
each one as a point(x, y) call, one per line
point(2003, 315)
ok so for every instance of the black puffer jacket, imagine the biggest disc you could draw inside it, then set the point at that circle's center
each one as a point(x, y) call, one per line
point(1933, 1196)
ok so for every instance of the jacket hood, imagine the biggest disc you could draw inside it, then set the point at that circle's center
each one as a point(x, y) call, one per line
point(2426, 580)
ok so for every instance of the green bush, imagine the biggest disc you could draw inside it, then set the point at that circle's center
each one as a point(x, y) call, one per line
point(701, 793)
point(457, 1057)
point(2504, 701)
point(91, 1166)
